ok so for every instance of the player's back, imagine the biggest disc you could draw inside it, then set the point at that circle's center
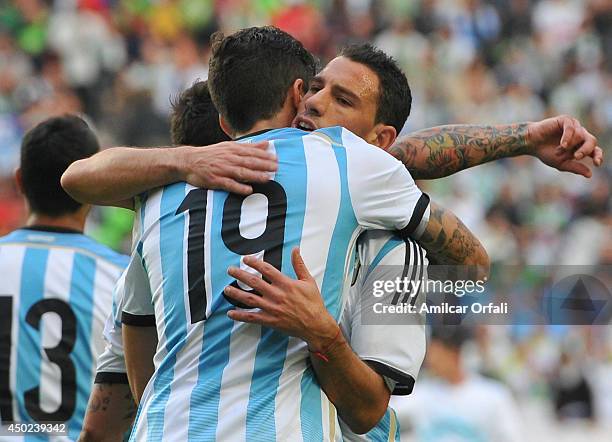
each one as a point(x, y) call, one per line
point(216, 378)
point(55, 295)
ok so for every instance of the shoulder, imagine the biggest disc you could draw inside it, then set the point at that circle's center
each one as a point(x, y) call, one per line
point(489, 388)
point(104, 252)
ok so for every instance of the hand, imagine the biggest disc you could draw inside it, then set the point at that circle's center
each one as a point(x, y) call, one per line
point(228, 165)
point(561, 142)
point(293, 306)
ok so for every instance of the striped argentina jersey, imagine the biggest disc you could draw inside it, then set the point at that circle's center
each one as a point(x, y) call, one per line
point(392, 344)
point(225, 380)
point(55, 295)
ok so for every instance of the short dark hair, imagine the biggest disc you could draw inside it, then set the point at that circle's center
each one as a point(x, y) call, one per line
point(46, 152)
point(451, 336)
point(394, 98)
point(251, 72)
point(194, 120)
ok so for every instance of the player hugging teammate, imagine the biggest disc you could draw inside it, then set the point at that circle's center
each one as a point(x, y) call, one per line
point(307, 196)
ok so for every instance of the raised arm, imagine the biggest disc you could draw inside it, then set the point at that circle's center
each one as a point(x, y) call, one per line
point(559, 142)
point(115, 176)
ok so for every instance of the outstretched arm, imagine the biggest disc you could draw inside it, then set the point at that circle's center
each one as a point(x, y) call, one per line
point(115, 176)
point(559, 142)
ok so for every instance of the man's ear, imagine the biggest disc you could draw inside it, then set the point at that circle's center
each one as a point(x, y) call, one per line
point(385, 136)
point(225, 127)
point(19, 180)
point(297, 92)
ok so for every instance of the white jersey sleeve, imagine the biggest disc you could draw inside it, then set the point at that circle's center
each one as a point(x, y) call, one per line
point(138, 307)
point(383, 193)
point(111, 363)
point(392, 343)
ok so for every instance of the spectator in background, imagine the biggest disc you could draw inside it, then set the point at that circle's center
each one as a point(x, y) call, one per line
point(456, 404)
point(470, 61)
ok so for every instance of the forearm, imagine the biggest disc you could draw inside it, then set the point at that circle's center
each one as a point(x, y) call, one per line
point(121, 173)
point(449, 242)
point(443, 150)
point(110, 413)
point(139, 345)
point(359, 394)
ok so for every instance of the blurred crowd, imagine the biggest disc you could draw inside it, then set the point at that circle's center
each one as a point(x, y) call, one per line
point(118, 62)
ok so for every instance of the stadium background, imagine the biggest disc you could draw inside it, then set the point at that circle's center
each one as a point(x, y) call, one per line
point(469, 61)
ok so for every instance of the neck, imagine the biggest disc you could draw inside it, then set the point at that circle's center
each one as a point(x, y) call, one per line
point(456, 374)
point(456, 377)
point(75, 221)
point(281, 119)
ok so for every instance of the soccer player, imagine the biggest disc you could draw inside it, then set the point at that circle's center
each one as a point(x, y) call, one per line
point(457, 403)
point(194, 121)
point(247, 378)
point(56, 287)
point(193, 117)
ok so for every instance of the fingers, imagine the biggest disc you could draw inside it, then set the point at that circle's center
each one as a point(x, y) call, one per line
point(598, 156)
point(255, 150)
point(233, 186)
point(255, 163)
point(301, 271)
point(267, 270)
point(587, 148)
point(574, 135)
point(253, 281)
point(261, 318)
point(577, 168)
point(246, 298)
point(246, 174)
point(569, 130)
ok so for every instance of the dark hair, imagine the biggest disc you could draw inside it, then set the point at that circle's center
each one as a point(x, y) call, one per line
point(46, 152)
point(451, 336)
point(194, 120)
point(251, 72)
point(394, 96)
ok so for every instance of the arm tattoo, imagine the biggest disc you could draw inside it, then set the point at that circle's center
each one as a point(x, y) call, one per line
point(100, 403)
point(130, 412)
point(444, 150)
point(448, 240)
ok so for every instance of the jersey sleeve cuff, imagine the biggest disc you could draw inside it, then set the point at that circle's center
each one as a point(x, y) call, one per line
point(137, 320)
point(417, 219)
point(109, 377)
point(404, 382)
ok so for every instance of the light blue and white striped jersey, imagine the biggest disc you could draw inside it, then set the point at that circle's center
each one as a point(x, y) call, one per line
point(55, 295)
point(225, 380)
point(392, 344)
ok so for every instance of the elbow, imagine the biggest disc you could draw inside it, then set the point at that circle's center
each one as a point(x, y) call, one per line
point(91, 433)
point(363, 420)
point(483, 264)
point(70, 180)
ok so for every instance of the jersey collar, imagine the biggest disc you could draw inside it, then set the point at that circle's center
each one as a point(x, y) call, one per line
point(54, 229)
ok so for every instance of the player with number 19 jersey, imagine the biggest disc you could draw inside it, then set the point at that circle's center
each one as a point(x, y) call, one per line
point(55, 295)
point(216, 379)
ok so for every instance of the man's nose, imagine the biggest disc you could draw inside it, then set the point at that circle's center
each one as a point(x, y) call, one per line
point(316, 104)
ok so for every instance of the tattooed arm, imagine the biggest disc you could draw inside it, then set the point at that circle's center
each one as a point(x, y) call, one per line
point(441, 151)
point(110, 413)
point(449, 242)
